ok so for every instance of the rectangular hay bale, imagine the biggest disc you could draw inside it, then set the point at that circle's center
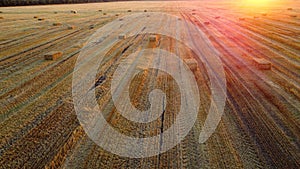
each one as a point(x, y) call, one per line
point(73, 11)
point(192, 64)
point(57, 24)
point(122, 36)
point(92, 26)
point(264, 14)
point(152, 38)
point(206, 23)
point(53, 55)
point(262, 64)
point(71, 27)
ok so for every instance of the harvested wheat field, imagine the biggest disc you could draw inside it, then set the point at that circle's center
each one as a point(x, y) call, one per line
point(259, 52)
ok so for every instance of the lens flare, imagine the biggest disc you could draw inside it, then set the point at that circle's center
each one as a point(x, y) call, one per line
point(257, 2)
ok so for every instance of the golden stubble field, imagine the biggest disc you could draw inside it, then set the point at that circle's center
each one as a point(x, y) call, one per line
point(260, 124)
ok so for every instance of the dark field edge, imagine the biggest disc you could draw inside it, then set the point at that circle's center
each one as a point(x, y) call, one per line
point(4, 3)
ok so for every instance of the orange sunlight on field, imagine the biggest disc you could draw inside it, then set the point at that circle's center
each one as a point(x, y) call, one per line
point(258, 3)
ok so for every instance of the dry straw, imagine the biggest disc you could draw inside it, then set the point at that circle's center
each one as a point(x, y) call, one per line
point(192, 64)
point(57, 24)
point(262, 64)
point(74, 11)
point(122, 36)
point(206, 23)
point(152, 38)
point(71, 27)
point(53, 55)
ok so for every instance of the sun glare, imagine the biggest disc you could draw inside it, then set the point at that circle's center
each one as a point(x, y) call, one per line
point(257, 2)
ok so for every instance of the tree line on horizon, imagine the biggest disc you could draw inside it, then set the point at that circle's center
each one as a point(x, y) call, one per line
point(45, 2)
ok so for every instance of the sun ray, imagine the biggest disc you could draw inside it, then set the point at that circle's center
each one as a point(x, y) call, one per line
point(258, 2)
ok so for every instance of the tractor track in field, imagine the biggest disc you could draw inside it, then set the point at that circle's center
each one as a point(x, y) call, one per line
point(248, 68)
point(39, 76)
point(215, 146)
point(94, 157)
point(37, 47)
point(236, 78)
point(27, 38)
point(277, 69)
point(35, 60)
point(231, 19)
point(241, 43)
point(285, 75)
point(16, 138)
point(15, 42)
